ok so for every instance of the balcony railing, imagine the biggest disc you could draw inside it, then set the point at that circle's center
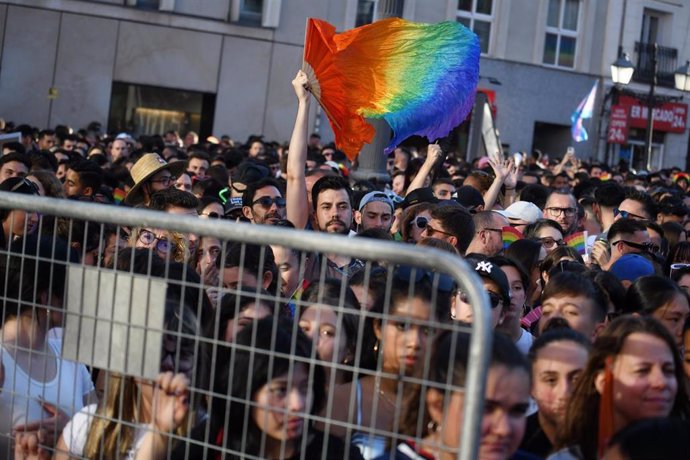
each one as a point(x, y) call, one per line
point(666, 64)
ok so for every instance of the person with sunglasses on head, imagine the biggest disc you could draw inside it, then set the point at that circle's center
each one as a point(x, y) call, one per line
point(496, 285)
point(561, 206)
point(488, 235)
point(625, 236)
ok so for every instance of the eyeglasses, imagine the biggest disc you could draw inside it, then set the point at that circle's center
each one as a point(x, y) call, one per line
point(266, 202)
point(645, 247)
point(558, 212)
point(212, 215)
point(551, 243)
point(148, 238)
point(431, 231)
point(627, 215)
point(165, 181)
point(415, 274)
point(420, 222)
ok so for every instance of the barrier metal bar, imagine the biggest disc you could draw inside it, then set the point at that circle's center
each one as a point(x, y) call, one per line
point(481, 337)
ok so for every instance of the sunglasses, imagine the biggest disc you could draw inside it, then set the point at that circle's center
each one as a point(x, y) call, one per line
point(431, 231)
point(148, 238)
point(420, 222)
point(266, 202)
point(494, 298)
point(213, 215)
point(627, 215)
point(645, 247)
point(409, 274)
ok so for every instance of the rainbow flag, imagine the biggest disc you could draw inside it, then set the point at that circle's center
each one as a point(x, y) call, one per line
point(584, 110)
point(510, 236)
point(577, 242)
point(118, 195)
point(420, 78)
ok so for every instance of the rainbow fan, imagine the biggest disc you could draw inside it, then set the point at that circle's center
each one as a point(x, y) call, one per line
point(420, 78)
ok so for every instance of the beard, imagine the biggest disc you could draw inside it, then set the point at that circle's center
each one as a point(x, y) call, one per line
point(336, 226)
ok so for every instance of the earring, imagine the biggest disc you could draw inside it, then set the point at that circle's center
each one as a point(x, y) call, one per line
point(376, 347)
point(433, 427)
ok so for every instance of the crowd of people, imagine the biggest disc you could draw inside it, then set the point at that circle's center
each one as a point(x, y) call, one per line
point(270, 352)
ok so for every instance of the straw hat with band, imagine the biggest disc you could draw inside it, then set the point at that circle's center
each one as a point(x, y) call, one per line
point(148, 166)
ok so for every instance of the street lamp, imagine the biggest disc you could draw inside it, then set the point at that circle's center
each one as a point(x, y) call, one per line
point(683, 77)
point(622, 70)
point(621, 73)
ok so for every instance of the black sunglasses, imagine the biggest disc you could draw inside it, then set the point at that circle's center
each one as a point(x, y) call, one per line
point(494, 298)
point(267, 202)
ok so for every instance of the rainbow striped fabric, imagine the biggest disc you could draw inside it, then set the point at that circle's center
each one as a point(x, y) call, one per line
point(420, 78)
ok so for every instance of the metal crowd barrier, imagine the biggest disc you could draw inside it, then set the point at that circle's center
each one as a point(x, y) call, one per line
point(104, 329)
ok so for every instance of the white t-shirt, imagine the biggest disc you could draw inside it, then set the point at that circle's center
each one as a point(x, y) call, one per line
point(77, 430)
point(524, 343)
point(19, 400)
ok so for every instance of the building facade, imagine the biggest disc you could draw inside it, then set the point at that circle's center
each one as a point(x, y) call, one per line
point(225, 66)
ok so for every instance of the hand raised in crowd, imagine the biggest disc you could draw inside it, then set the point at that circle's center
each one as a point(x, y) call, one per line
point(434, 154)
point(170, 401)
point(600, 253)
point(301, 85)
point(28, 446)
point(50, 427)
point(506, 171)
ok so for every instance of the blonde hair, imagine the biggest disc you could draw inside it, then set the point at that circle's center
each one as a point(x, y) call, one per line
point(178, 244)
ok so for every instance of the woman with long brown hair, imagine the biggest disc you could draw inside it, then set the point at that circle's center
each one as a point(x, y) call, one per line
point(634, 372)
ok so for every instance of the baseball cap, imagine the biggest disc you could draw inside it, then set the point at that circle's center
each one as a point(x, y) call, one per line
point(631, 266)
point(376, 196)
point(249, 172)
point(487, 269)
point(522, 210)
point(419, 195)
point(469, 197)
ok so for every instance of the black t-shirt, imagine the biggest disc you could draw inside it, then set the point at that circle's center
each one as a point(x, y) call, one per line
point(535, 440)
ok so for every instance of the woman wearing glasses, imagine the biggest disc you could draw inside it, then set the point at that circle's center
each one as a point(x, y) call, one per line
point(413, 222)
point(167, 245)
point(548, 232)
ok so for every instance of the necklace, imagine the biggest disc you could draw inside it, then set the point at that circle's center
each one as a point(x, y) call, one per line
point(383, 394)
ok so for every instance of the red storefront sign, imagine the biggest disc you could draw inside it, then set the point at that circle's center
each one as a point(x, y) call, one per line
point(671, 117)
point(618, 125)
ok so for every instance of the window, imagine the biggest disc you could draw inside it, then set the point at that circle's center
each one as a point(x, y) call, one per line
point(143, 109)
point(365, 12)
point(257, 13)
point(561, 33)
point(477, 15)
